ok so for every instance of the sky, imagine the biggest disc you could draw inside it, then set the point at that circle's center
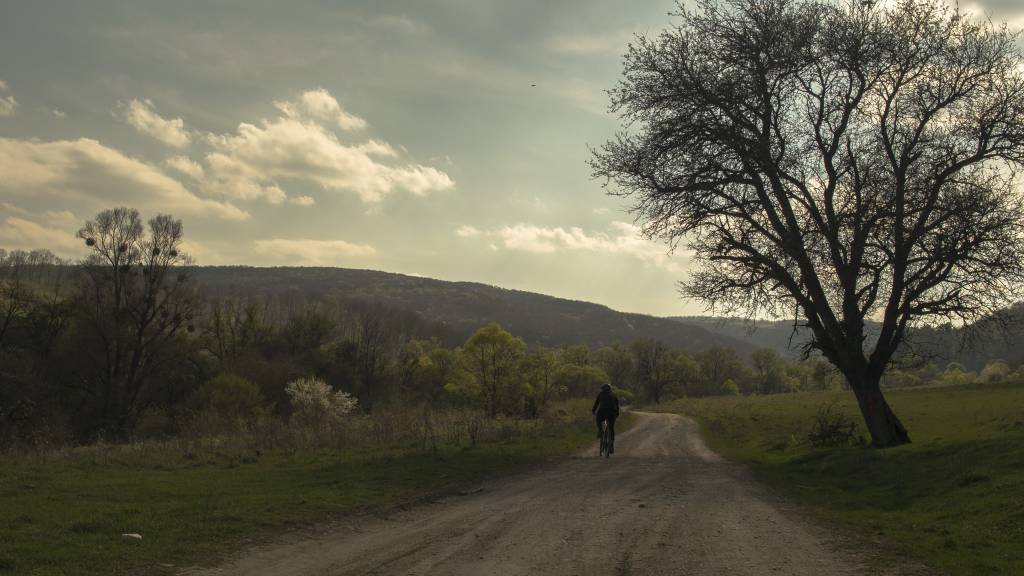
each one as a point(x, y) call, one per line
point(442, 138)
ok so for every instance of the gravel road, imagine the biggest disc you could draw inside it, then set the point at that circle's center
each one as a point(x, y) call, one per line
point(663, 504)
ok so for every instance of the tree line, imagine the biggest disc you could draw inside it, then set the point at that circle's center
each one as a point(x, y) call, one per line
point(93, 348)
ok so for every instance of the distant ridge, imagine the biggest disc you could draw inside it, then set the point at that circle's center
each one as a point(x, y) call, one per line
point(464, 307)
point(776, 334)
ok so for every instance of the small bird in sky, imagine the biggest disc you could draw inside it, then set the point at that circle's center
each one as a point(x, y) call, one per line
point(533, 85)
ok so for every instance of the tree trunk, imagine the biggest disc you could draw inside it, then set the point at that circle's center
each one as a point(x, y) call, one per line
point(885, 428)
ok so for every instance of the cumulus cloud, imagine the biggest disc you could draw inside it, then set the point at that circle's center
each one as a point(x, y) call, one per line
point(7, 101)
point(142, 115)
point(235, 178)
point(297, 146)
point(319, 104)
point(86, 170)
point(623, 238)
point(312, 252)
point(186, 166)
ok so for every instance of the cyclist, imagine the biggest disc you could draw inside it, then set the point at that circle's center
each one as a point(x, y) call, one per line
point(606, 407)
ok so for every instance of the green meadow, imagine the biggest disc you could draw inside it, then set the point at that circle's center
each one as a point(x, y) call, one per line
point(953, 498)
point(65, 514)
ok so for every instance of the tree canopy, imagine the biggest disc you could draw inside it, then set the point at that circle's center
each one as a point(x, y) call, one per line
point(833, 163)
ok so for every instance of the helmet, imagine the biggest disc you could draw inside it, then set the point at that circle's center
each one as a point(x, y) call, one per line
point(606, 386)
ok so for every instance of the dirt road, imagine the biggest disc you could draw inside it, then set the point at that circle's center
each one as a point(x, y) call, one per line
point(663, 504)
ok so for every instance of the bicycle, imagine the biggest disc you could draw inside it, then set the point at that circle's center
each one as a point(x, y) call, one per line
point(604, 449)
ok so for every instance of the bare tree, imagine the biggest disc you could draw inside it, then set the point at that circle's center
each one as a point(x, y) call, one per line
point(234, 326)
point(136, 300)
point(838, 163)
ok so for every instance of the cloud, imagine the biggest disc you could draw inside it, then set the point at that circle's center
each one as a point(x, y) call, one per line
point(201, 253)
point(88, 171)
point(1001, 9)
point(296, 146)
point(7, 101)
point(11, 208)
point(234, 178)
point(302, 200)
point(62, 219)
point(623, 238)
point(312, 252)
point(18, 233)
point(7, 105)
point(466, 231)
point(186, 166)
point(319, 104)
point(59, 113)
point(141, 115)
point(52, 230)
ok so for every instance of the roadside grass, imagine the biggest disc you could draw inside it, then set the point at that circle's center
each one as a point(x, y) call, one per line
point(953, 498)
point(66, 515)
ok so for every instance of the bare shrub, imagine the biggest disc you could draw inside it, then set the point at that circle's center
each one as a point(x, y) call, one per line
point(832, 428)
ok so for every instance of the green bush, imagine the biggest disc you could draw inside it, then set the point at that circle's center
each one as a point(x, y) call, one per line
point(230, 397)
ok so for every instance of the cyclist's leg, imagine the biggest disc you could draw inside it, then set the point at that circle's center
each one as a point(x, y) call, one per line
point(599, 420)
point(611, 435)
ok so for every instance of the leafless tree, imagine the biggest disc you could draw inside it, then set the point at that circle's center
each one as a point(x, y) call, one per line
point(136, 300)
point(839, 163)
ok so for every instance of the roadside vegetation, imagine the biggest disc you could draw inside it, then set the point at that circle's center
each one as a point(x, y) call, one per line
point(953, 498)
point(145, 424)
point(125, 346)
point(134, 402)
point(190, 498)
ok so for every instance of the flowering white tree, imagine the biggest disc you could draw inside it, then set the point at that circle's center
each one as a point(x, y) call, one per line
point(314, 402)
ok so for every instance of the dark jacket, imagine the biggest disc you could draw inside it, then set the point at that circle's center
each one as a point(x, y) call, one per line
point(606, 405)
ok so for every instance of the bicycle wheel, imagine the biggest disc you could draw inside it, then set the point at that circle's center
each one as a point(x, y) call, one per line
point(605, 440)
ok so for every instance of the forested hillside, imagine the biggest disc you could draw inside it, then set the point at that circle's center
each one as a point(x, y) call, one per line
point(973, 346)
point(778, 335)
point(462, 307)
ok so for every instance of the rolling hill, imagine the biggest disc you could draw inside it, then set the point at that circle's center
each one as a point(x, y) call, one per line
point(463, 307)
point(776, 334)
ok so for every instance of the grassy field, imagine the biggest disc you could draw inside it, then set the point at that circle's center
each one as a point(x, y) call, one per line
point(63, 516)
point(954, 498)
